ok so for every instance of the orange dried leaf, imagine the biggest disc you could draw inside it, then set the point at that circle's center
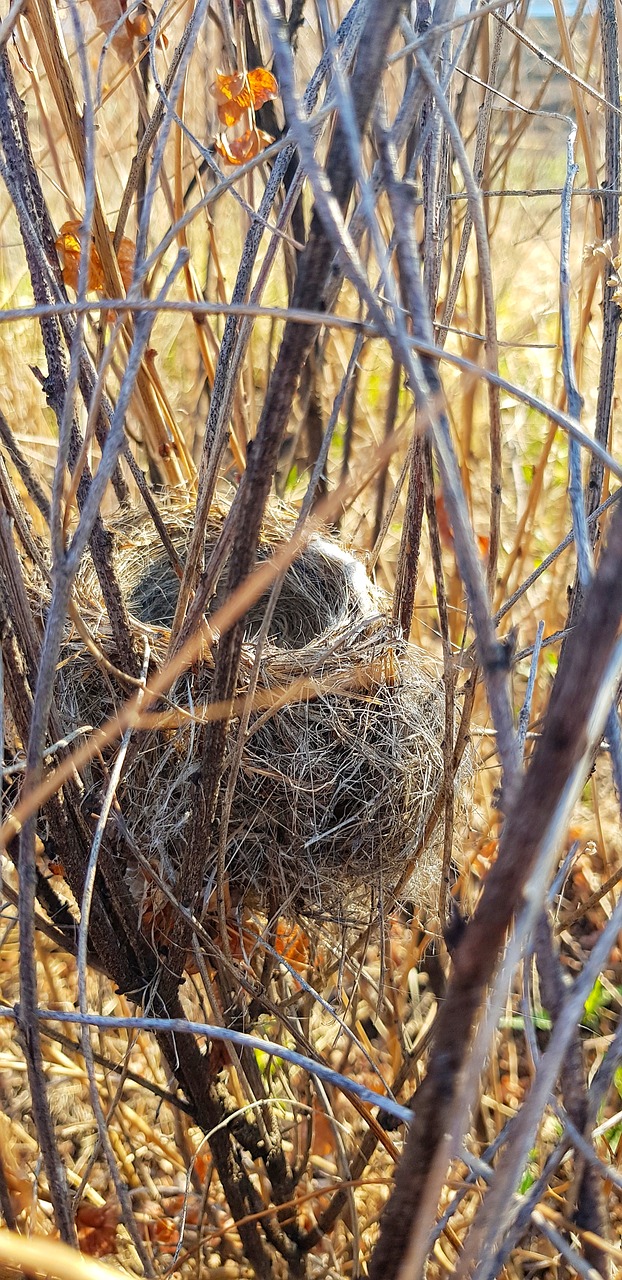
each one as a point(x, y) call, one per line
point(229, 113)
point(69, 247)
point(203, 1166)
point(232, 96)
point(230, 88)
point(243, 148)
point(97, 1229)
point(263, 87)
point(165, 1232)
point(323, 1143)
point(125, 257)
point(107, 13)
point(293, 945)
point(190, 1204)
point(489, 849)
point(139, 27)
point(444, 526)
point(235, 93)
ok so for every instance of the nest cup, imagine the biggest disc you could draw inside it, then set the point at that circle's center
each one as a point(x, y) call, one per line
point(342, 760)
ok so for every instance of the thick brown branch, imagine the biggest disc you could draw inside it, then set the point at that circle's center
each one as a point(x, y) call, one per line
point(558, 750)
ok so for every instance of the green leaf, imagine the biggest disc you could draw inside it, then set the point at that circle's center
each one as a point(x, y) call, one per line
point(597, 1000)
point(267, 1063)
point(613, 1138)
point(292, 479)
point(617, 1080)
point(530, 1174)
point(541, 1019)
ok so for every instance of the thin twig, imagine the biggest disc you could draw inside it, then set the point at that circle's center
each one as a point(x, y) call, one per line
point(183, 1026)
point(525, 711)
point(125, 1203)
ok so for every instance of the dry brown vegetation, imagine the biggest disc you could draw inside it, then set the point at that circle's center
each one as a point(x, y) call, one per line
point(310, 592)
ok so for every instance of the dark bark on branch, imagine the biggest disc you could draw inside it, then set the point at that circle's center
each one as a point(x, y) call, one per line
point(612, 314)
point(558, 750)
point(67, 834)
point(25, 472)
point(25, 190)
point(611, 231)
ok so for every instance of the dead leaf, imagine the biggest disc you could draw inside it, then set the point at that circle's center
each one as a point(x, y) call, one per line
point(188, 1203)
point(263, 87)
point(107, 13)
point(97, 1229)
point(136, 27)
point(68, 247)
point(293, 944)
point(125, 258)
point(244, 148)
point(444, 526)
point(165, 1232)
point(323, 1143)
point(236, 93)
point(203, 1166)
point(232, 96)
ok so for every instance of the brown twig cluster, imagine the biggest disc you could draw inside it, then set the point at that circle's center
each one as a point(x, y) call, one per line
point(221, 747)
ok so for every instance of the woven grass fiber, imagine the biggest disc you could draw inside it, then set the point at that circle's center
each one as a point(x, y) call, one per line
point(336, 780)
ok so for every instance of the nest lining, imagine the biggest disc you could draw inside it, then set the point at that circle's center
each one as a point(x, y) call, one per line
point(325, 588)
point(335, 785)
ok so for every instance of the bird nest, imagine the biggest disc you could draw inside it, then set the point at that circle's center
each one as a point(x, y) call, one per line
point(342, 756)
